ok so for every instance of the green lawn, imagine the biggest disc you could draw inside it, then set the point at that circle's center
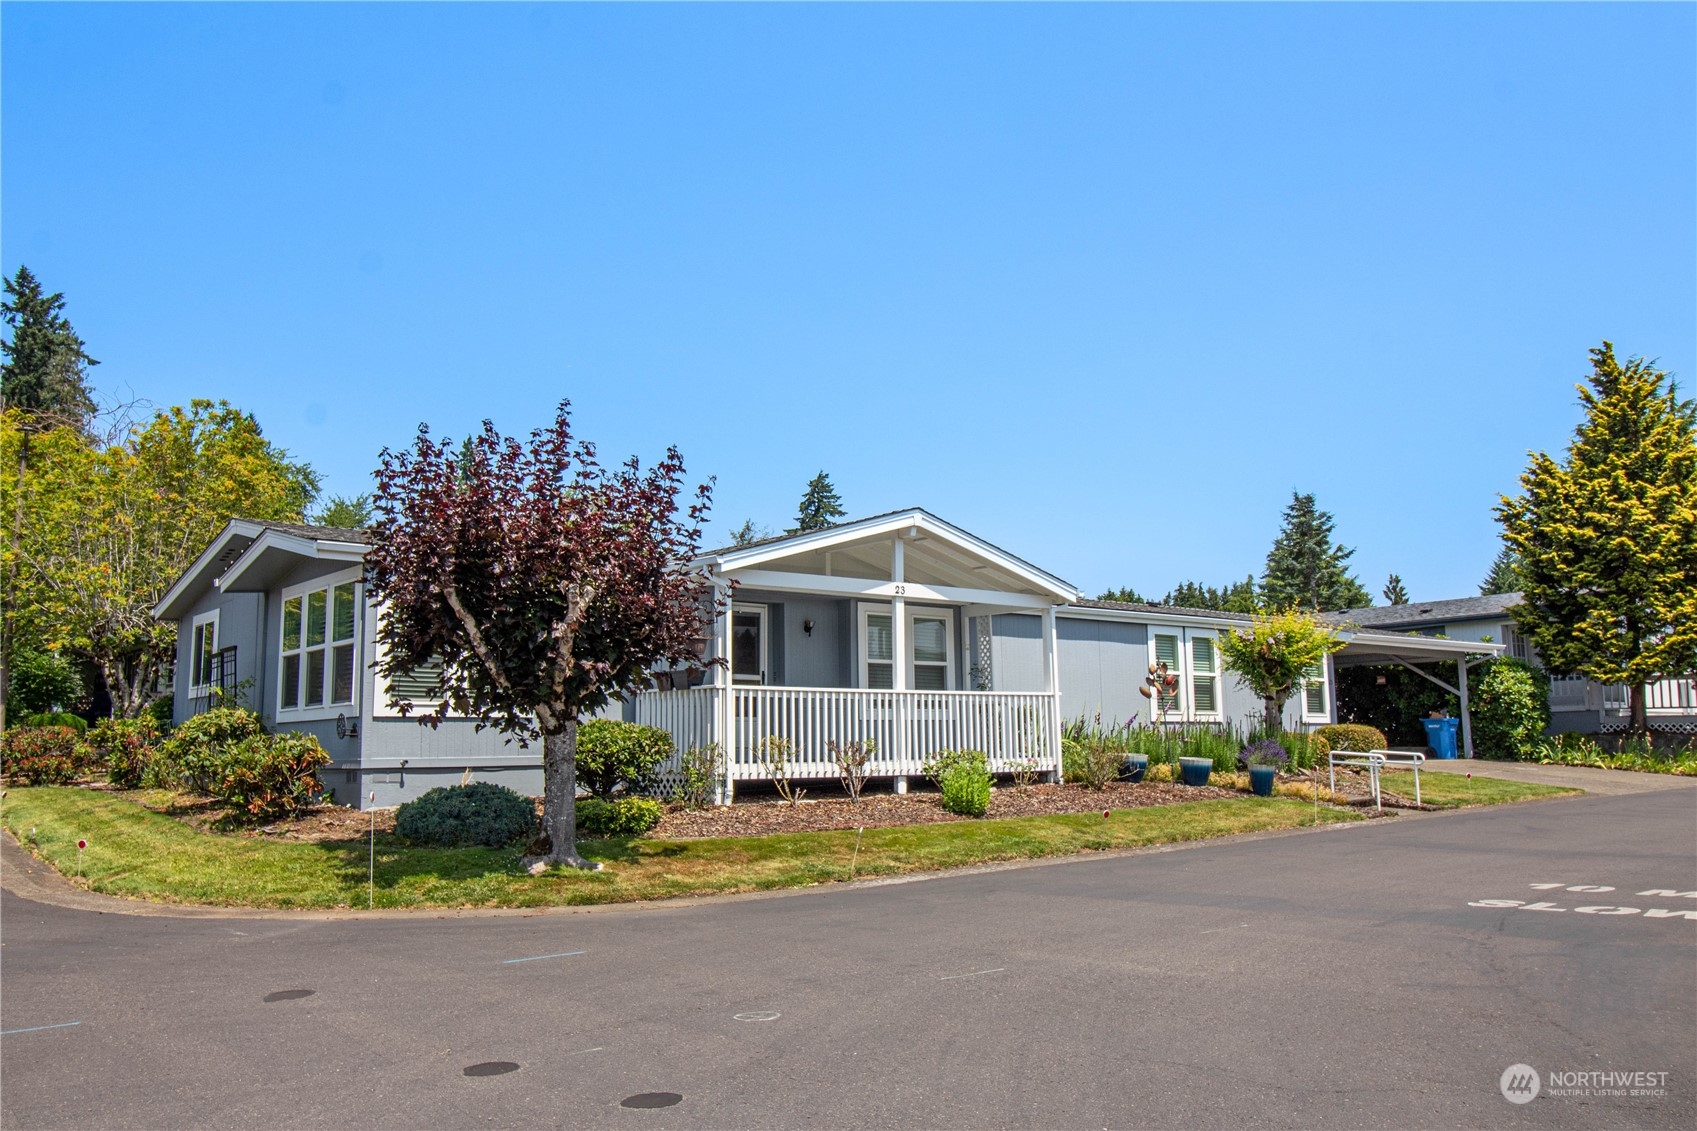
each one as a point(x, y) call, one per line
point(1455, 791)
point(139, 853)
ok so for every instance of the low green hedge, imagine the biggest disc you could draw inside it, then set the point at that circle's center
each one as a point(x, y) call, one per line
point(459, 816)
point(628, 816)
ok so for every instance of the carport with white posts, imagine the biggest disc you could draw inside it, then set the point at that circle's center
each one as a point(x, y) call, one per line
point(1382, 648)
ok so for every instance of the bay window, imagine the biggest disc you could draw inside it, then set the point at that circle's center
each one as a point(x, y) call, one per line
point(317, 647)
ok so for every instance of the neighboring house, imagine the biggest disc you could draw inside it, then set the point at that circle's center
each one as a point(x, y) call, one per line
point(1576, 703)
point(901, 629)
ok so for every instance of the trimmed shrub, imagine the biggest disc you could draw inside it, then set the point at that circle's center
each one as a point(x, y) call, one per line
point(939, 765)
point(1511, 709)
point(270, 776)
point(1353, 737)
point(39, 755)
point(55, 719)
point(611, 753)
point(194, 755)
point(463, 815)
point(966, 784)
point(124, 747)
point(628, 816)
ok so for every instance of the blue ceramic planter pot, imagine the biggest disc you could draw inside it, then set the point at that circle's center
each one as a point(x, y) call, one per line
point(1261, 780)
point(1195, 771)
point(1136, 765)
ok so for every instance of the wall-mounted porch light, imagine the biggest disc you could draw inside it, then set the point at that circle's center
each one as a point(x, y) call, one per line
point(807, 627)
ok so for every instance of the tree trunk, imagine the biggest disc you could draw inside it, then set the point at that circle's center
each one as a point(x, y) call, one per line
point(559, 797)
point(1639, 717)
point(1273, 715)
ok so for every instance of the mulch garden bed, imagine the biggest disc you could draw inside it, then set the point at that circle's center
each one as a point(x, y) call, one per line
point(761, 816)
point(765, 815)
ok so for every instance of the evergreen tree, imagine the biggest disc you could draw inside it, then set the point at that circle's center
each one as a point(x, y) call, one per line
point(1124, 594)
point(819, 506)
point(1394, 593)
point(1238, 597)
point(1504, 576)
point(347, 513)
point(1304, 569)
point(1607, 539)
point(749, 533)
point(46, 367)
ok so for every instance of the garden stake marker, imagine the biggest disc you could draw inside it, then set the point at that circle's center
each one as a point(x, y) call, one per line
point(856, 857)
point(81, 844)
point(371, 876)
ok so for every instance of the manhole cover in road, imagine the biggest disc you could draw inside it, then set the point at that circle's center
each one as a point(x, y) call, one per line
point(491, 1068)
point(289, 995)
point(757, 1015)
point(651, 1099)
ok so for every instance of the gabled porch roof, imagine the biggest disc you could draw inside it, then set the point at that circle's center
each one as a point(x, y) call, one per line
point(930, 559)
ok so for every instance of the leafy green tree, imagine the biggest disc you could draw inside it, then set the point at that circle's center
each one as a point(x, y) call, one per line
point(1275, 654)
point(1504, 576)
point(43, 681)
point(820, 506)
point(1305, 569)
point(1607, 538)
point(1238, 597)
point(46, 367)
point(345, 512)
point(1124, 593)
point(1510, 706)
point(107, 530)
point(1394, 593)
point(44, 380)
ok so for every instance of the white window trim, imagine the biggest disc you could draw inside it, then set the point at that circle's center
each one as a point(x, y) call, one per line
point(1324, 715)
point(752, 678)
point(928, 612)
point(197, 689)
point(1190, 674)
point(1185, 711)
point(325, 710)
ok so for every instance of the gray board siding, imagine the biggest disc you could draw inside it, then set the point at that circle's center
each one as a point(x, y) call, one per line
point(1102, 665)
point(240, 624)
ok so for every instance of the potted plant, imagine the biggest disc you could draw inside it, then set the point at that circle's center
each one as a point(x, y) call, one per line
point(1264, 760)
point(1195, 771)
point(1134, 767)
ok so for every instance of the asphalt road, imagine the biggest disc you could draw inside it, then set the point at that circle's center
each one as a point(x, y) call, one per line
point(1339, 978)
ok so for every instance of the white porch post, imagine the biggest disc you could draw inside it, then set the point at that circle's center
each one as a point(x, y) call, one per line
point(1466, 715)
point(898, 651)
point(1052, 685)
point(724, 716)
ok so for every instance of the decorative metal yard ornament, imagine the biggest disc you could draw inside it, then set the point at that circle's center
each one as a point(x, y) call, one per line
point(1161, 686)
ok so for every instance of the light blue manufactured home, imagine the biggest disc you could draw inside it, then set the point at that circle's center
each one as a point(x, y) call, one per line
point(901, 629)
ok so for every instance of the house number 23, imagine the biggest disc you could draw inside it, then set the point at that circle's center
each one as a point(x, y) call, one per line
point(899, 590)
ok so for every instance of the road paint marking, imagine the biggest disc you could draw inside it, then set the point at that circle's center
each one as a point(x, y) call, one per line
point(1591, 909)
point(974, 974)
point(1214, 930)
point(757, 1015)
point(597, 1048)
point(540, 957)
point(40, 1028)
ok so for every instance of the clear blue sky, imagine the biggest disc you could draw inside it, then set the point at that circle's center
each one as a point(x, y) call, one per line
point(1103, 284)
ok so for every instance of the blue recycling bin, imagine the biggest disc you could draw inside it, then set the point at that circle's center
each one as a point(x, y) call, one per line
point(1440, 736)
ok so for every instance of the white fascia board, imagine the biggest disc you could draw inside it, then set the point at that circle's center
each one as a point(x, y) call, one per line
point(1396, 642)
point(235, 528)
point(884, 590)
point(741, 560)
point(1135, 617)
point(293, 544)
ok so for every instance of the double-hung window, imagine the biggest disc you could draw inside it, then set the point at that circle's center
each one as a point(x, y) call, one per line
point(319, 643)
point(1204, 676)
point(1314, 693)
point(203, 645)
point(930, 648)
point(1168, 655)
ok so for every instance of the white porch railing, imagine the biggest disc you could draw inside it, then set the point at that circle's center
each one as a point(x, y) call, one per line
point(907, 727)
point(1671, 696)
